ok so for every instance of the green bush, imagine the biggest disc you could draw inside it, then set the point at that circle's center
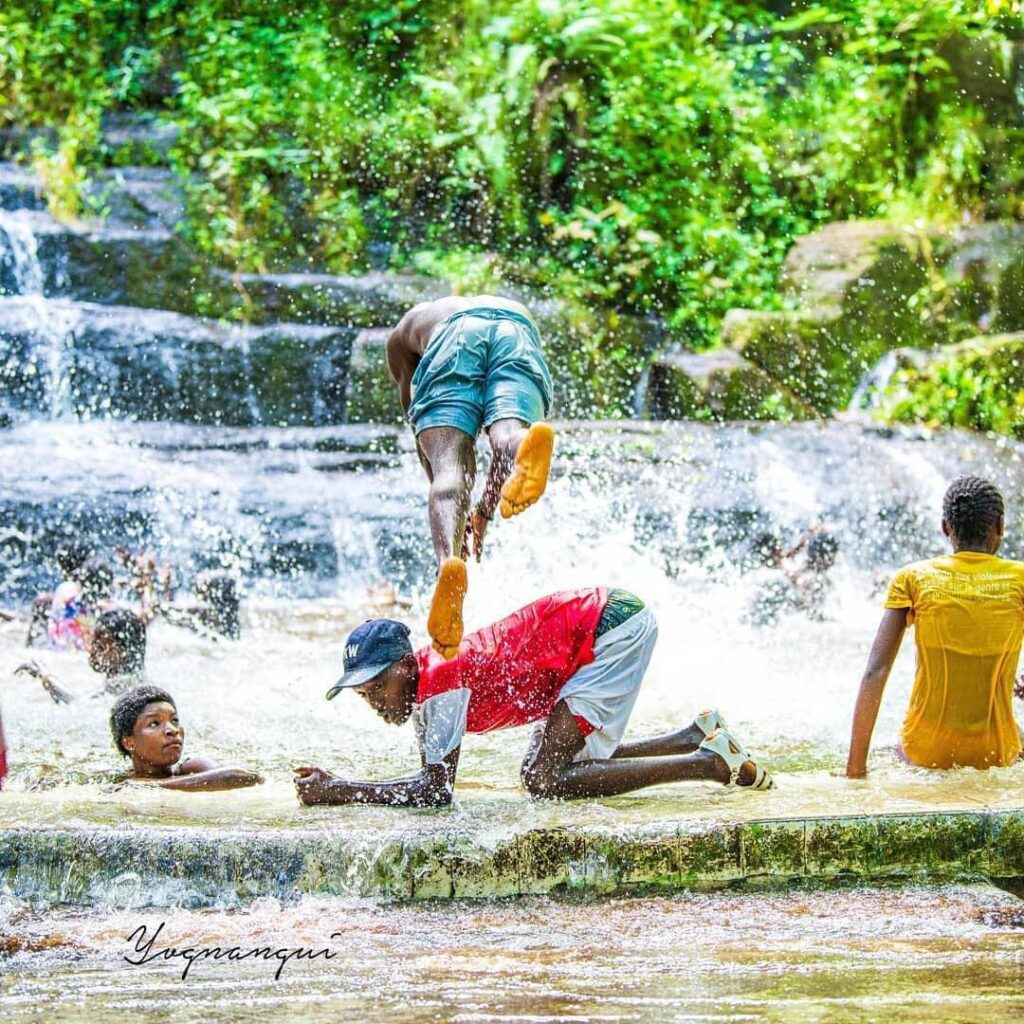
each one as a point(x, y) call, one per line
point(978, 385)
point(656, 155)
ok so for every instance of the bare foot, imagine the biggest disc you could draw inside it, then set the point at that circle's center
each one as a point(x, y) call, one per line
point(530, 476)
point(444, 624)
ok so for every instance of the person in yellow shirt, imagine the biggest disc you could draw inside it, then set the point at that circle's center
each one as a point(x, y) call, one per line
point(967, 610)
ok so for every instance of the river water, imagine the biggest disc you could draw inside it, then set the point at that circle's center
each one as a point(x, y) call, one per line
point(311, 518)
point(911, 955)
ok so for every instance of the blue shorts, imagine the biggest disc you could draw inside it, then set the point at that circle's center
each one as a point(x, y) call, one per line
point(481, 365)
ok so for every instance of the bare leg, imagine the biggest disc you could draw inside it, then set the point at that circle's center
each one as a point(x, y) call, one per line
point(686, 741)
point(449, 457)
point(550, 772)
point(505, 437)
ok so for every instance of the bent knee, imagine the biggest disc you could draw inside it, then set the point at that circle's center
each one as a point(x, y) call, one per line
point(451, 484)
point(540, 784)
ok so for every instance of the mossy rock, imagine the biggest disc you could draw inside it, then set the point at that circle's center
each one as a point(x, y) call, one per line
point(596, 357)
point(977, 384)
point(720, 385)
point(862, 289)
point(375, 299)
point(1010, 298)
point(774, 848)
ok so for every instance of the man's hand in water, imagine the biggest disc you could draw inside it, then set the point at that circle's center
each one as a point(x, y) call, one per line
point(57, 693)
point(30, 668)
point(473, 539)
point(311, 784)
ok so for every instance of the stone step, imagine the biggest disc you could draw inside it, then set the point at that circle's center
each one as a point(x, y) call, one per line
point(175, 866)
point(20, 189)
point(93, 360)
point(367, 300)
point(99, 261)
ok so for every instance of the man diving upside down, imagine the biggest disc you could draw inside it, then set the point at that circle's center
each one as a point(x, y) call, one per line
point(461, 364)
point(572, 662)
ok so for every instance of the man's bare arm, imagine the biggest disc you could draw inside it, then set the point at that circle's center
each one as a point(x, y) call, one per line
point(57, 692)
point(402, 361)
point(432, 787)
point(869, 699)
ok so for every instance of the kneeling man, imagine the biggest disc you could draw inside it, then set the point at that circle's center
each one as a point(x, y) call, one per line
point(572, 662)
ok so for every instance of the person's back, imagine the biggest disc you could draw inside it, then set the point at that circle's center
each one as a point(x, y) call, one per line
point(967, 609)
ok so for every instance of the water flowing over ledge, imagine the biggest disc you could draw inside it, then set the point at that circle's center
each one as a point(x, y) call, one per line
point(167, 867)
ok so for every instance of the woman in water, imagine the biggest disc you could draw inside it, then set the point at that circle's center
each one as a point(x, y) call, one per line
point(967, 609)
point(145, 727)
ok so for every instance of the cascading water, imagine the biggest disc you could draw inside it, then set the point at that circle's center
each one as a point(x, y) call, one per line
point(49, 325)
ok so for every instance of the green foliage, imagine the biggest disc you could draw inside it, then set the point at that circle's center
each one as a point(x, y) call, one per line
point(658, 156)
point(977, 385)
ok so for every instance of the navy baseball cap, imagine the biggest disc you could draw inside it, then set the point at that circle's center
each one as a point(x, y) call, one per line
point(370, 649)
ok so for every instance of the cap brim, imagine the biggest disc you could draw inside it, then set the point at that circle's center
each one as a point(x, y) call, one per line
point(356, 678)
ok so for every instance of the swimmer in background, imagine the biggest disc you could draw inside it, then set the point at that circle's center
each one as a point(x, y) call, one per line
point(70, 558)
point(217, 616)
point(73, 616)
point(145, 727)
point(117, 651)
point(151, 584)
point(462, 364)
point(803, 589)
point(811, 582)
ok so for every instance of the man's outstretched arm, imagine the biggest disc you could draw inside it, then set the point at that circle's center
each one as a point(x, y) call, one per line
point(432, 787)
point(869, 699)
point(57, 692)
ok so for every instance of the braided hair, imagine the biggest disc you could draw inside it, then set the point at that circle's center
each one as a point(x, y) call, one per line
point(971, 507)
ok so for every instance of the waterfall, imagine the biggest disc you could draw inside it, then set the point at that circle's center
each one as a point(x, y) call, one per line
point(49, 325)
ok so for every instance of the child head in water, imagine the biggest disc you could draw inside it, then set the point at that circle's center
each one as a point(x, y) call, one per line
point(71, 557)
point(118, 644)
point(766, 549)
point(220, 592)
point(973, 514)
point(144, 726)
point(822, 549)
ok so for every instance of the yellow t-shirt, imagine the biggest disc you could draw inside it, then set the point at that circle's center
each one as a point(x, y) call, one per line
point(968, 613)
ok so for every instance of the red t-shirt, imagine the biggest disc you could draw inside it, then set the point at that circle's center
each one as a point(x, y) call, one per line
point(506, 674)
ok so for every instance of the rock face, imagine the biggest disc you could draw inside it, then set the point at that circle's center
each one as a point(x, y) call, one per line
point(861, 289)
point(370, 300)
point(370, 394)
point(90, 360)
point(720, 385)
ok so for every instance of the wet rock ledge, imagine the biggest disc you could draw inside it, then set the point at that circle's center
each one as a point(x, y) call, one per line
point(202, 867)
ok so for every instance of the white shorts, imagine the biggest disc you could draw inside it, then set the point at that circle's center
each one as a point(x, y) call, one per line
point(605, 691)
